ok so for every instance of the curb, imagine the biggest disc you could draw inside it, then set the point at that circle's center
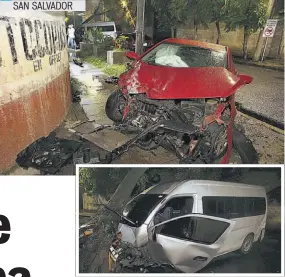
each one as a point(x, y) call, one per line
point(261, 117)
point(277, 68)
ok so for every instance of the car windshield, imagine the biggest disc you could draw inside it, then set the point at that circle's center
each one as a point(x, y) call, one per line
point(140, 208)
point(181, 55)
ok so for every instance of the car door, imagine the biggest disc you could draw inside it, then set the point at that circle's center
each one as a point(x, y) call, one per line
point(192, 241)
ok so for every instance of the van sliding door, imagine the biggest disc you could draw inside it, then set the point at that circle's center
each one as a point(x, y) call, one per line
point(192, 241)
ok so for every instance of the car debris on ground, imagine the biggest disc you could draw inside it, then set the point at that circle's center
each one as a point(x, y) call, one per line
point(78, 62)
point(48, 154)
point(112, 80)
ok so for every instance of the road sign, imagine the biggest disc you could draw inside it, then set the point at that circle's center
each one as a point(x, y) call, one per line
point(269, 28)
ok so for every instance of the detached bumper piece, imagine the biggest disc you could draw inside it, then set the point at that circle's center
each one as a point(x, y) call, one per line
point(48, 154)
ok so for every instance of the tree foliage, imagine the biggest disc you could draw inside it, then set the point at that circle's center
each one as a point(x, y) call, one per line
point(245, 13)
point(121, 11)
point(103, 181)
point(249, 14)
point(170, 13)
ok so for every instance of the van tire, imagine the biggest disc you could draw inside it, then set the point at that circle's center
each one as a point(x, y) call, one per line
point(247, 244)
point(261, 236)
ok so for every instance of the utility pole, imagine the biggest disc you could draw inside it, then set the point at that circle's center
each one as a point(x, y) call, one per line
point(140, 26)
point(261, 40)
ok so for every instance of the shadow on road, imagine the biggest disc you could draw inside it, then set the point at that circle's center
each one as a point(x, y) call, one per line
point(265, 257)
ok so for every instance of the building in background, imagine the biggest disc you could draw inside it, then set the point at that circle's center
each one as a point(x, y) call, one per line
point(34, 80)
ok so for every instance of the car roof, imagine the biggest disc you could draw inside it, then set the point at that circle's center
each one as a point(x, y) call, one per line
point(196, 43)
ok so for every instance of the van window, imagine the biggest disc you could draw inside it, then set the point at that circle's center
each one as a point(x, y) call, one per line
point(106, 28)
point(175, 207)
point(140, 208)
point(201, 230)
point(233, 207)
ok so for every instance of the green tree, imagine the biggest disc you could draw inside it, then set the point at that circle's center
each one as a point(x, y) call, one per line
point(85, 181)
point(171, 13)
point(249, 14)
point(121, 11)
point(218, 10)
point(200, 13)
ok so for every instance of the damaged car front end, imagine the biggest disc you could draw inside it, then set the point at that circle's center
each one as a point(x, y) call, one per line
point(186, 91)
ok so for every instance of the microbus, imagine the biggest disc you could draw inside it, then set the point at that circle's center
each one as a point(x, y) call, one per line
point(108, 28)
point(196, 221)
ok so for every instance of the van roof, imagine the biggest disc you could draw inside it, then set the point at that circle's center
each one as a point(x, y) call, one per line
point(202, 186)
point(100, 23)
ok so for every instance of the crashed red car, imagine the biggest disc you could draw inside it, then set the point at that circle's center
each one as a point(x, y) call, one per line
point(181, 95)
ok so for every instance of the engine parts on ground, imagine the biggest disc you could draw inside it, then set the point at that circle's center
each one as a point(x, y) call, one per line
point(195, 130)
point(78, 62)
point(86, 156)
point(48, 154)
point(76, 96)
point(112, 80)
point(148, 259)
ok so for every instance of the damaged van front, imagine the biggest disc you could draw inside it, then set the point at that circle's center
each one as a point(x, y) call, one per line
point(196, 221)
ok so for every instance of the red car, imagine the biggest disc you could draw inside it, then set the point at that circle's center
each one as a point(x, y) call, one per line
point(189, 88)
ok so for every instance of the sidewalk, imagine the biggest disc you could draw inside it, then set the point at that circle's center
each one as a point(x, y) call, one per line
point(264, 97)
point(273, 64)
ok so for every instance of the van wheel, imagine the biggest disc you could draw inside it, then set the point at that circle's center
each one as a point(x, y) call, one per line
point(247, 244)
point(262, 233)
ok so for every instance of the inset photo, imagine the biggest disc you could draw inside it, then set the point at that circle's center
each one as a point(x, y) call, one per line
point(179, 219)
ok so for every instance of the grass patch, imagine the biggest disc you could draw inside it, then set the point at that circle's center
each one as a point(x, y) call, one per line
point(96, 61)
point(114, 70)
point(118, 50)
point(110, 70)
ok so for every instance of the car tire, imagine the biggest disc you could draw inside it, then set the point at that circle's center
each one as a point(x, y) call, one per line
point(113, 106)
point(247, 244)
point(244, 147)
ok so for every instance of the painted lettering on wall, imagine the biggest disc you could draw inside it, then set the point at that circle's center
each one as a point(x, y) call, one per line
point(39, 38)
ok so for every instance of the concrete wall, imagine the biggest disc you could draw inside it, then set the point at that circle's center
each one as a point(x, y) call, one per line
point(234, 39)
point(34, 79)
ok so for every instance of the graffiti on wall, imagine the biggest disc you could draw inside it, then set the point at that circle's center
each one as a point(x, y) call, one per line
point(39, 38)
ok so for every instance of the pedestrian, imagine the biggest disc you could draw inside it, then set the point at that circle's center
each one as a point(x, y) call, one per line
point(71, 37)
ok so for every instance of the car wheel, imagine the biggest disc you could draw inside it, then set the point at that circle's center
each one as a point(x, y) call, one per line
point(247, 244)
point(115, 106)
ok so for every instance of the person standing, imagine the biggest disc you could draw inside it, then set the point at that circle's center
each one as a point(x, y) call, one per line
point(71, 37)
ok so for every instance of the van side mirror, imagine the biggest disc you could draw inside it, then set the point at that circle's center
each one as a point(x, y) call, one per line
point(132, 55)
point(246, 79)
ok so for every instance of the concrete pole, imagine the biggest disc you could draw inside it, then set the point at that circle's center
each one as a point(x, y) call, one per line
point(140, 26)
point(261, 40)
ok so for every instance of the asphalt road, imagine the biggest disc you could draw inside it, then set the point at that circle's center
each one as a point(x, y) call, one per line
point(265, 257)
point(265, 95)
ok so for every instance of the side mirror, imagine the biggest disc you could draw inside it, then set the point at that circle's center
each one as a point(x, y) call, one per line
point(246, 79)
point(132, 55)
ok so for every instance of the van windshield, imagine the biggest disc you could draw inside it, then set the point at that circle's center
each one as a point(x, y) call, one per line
point(140, 208)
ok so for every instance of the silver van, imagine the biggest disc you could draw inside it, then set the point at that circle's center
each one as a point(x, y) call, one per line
point(196, 221)
point(108, 28)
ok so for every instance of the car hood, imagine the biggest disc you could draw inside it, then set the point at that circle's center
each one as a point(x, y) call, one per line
point(162, 82)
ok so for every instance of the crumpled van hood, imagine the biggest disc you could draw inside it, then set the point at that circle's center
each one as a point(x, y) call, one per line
point(162, 82)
